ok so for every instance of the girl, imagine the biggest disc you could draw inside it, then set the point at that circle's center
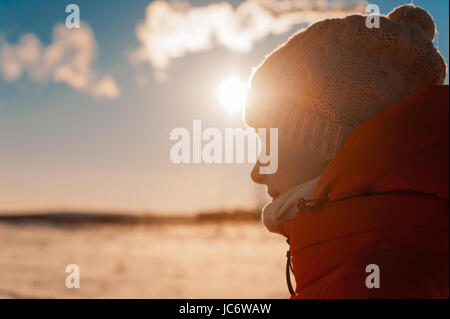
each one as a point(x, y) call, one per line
point(361, 190)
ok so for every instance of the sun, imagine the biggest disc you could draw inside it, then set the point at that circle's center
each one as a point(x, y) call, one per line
point(232, 94)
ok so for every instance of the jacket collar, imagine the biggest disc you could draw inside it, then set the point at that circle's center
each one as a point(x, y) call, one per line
point(404, 148)
point(394, 145)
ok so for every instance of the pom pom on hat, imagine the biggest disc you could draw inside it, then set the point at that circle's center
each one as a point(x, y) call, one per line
point(412, 14)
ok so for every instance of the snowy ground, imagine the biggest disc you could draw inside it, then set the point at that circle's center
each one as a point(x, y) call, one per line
point(213, 260)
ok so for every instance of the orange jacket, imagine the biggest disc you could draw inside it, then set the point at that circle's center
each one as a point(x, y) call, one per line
point(386, 203)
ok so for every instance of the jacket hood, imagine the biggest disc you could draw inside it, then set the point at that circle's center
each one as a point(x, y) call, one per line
point(402, 148)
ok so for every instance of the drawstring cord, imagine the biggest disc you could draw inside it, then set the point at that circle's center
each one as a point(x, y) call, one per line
point(288, 270)
point(301, 205)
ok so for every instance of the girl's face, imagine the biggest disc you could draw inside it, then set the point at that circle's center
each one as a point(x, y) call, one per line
point(296, 165)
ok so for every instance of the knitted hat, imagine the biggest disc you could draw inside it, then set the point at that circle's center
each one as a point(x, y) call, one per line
point(338, 73)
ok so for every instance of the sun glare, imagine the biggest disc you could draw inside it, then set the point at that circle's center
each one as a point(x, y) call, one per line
point(232, 95)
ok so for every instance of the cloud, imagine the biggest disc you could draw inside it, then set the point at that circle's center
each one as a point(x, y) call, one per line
point(171, 30)
point(106, 87)
point(68, 59)
point(15, 60)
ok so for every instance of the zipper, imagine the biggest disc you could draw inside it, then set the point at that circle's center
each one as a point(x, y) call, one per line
point(301, 205)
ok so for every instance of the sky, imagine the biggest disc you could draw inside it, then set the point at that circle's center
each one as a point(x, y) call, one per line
point(86, 114)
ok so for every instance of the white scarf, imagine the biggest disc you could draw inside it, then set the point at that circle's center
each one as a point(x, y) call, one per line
point(284, 207)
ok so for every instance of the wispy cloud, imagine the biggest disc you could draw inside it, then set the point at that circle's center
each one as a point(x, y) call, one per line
point(171, 30)
point(106, 88)
point(67, 59)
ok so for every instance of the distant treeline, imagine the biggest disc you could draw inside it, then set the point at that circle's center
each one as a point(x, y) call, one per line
point(92, 218)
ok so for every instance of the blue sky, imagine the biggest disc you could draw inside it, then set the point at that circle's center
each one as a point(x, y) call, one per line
point(64, 148)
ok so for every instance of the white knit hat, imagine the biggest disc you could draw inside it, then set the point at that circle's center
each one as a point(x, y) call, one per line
point(336, 74)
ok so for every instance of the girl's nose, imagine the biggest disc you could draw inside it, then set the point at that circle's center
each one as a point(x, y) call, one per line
point(255, 175)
